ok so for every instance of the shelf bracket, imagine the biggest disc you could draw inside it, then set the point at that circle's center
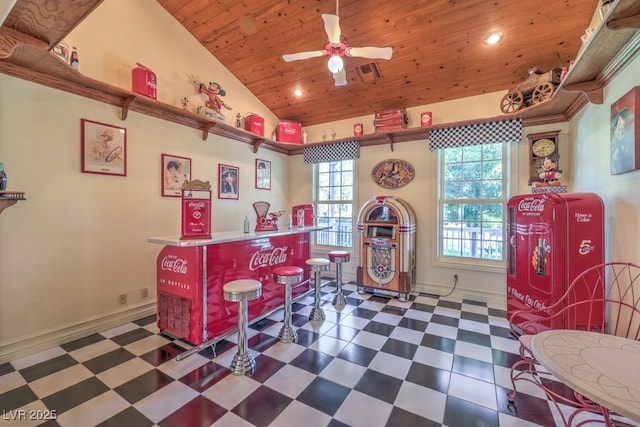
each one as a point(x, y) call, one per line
point(125, 106)
point(205, 130)
point(256, 144)
point(632, 21)
point(593, 89)
point(390, 139)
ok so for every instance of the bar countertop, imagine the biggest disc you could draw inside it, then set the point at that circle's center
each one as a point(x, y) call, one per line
point(232, 236)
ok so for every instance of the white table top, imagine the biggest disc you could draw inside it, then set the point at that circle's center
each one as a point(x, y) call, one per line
point(604, 368)
point(233, 236)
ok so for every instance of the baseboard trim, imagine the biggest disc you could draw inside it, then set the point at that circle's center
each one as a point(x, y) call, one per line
point(494, 300)
point(44, 340)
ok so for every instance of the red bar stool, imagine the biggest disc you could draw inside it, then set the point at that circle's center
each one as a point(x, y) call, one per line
point(288, 275)
point(242, 291)
point(338, 257)
point(317, 266)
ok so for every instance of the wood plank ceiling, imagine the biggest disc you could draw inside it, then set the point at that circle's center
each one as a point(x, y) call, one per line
point(438, 49)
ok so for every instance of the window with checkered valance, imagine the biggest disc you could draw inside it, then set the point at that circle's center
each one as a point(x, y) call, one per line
point(332, 152)
point(476, 134)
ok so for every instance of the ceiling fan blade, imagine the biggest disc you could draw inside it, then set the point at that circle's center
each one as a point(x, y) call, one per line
point(370, 52)
point(302, 55)
point(340, 77)
point(332, 27)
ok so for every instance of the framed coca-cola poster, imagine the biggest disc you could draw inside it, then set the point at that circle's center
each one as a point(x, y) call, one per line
point(176, 170)
point(263, 174)
point(104, 148)
point(228, 181)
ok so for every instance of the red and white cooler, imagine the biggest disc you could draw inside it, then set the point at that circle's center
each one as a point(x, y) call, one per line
point(144, 81)
point(552, 238)
point(289, 131)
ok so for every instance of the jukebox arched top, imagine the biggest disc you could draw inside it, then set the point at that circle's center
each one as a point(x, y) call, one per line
point(387, 209)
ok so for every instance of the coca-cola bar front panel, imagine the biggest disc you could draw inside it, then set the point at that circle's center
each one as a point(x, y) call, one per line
point(196, 313)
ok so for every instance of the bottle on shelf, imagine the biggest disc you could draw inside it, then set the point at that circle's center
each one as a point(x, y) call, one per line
point(246, 224)
point(3, 178)
point(75, 61)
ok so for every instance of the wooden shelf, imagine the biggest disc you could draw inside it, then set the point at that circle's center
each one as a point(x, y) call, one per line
point(9, 198)
point(23, 54)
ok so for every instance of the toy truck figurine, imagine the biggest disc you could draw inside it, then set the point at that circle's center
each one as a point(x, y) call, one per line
point(536, 88)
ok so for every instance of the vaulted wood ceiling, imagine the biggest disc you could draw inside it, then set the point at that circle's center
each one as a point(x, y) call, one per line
point(438, 50)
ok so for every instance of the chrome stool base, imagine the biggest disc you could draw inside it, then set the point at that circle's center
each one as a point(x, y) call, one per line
point(242, 363)
point(339, 257)
point(242, 291)
point(339, 300)
point(317, 266)
point(288, 335)
point(288, 276)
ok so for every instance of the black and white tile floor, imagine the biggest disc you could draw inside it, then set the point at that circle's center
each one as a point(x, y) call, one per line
point(429, 361)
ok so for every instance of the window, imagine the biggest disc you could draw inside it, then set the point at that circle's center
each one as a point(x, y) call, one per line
point(333, 198)
point(472, 200)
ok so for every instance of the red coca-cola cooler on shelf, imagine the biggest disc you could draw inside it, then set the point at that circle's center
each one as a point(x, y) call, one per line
point(552, 238)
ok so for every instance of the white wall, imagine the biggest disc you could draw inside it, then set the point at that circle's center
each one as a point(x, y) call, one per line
point(590, 131)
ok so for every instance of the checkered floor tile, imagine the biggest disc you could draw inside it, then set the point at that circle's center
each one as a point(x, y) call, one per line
point(428, 361)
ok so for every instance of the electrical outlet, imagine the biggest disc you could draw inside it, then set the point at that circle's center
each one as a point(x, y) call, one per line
point(122, 299)
point(145, 292)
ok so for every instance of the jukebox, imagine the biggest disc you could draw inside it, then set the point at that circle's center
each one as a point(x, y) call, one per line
point(388, 247)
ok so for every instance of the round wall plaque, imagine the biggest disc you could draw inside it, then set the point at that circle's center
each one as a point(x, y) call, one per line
point(392, 173)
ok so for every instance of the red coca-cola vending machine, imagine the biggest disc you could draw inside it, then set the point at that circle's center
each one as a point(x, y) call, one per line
point(552, 238)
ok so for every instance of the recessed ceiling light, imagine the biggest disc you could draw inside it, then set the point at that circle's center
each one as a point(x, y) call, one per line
point(297, 92)
point(492, 38)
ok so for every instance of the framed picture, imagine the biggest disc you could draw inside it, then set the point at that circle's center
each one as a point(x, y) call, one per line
point(263, 174)
point(625, 133)
point(104, 148)
point(175, 171)
point(228, 182)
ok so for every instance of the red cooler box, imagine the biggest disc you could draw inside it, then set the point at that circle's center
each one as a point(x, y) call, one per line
point(254, 124)
point(307, 212)
point(143, 81)
point(288, 131)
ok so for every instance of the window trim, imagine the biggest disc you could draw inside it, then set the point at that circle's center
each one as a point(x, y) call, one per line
point(354, 208)
point(476, 264)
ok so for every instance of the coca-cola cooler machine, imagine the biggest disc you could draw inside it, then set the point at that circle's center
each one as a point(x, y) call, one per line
point(552, 238)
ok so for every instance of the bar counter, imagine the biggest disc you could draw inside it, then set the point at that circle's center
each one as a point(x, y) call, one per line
point(190, 274)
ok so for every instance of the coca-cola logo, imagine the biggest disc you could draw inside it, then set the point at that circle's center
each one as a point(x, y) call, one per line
point(264, 259)
point(290, 131)
point(196, 205)
point(175, 264)
point(531, 205)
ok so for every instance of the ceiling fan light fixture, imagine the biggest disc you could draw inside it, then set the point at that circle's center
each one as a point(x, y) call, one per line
point(493, 38)
point(335, 64)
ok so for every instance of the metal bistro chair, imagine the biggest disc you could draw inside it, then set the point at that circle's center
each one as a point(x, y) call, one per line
point(605, 299)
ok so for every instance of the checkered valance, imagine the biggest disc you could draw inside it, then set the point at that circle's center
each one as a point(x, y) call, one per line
point(332, 152)
point(476, 134)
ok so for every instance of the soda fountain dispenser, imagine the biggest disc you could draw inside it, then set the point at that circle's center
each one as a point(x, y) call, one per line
point(388, 247)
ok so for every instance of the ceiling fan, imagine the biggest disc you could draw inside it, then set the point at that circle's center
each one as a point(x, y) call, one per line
point(336, 47)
